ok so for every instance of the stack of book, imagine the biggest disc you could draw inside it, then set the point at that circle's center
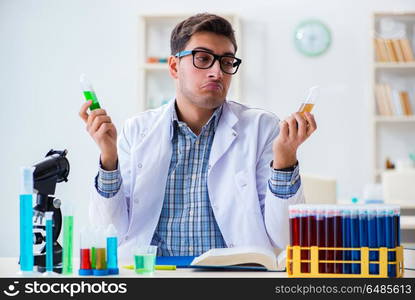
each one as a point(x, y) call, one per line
point(393, 50)
point(392, 102)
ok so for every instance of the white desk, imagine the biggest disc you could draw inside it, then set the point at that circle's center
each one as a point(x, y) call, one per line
point(9, 267)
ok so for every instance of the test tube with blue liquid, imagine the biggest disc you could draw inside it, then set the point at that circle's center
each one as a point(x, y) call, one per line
point(363, 227)
point(391, 241)
point(112, 246)
point(397, 221)
point(26, 221)
point(355, 239)
point(49, 241)
point(373, 239)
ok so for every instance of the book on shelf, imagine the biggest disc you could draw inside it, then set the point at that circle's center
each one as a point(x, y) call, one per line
point(391, 102)
point(406, 104)
point(406, 50)
point(396, 45)
point(380, 100)
point(393, 50)
point(381, 52)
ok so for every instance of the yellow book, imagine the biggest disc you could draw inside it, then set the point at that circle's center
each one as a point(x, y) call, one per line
point(406, 105)
point(391, 51)
point(398, 50)
point(406, 50)
point(380, 102)
point(380, 49)
point(388, 99)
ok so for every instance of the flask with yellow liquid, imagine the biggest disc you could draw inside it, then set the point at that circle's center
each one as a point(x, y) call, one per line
point(310, 101)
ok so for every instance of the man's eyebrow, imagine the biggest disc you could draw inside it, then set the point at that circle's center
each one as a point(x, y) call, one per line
point(211, 51)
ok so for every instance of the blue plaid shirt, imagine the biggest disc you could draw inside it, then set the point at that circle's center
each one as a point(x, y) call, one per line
point(187, 225)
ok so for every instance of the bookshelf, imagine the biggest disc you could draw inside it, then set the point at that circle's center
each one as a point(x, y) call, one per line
point(155, 85)
point(393, 88)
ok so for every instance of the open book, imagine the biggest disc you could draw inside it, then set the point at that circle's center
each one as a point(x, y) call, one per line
point(244, 257)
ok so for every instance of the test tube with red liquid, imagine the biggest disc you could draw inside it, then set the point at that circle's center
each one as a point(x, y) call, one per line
point(294, 219)
point(304, 238)
point(321, 237)
point(85, 253)
point(329, 226)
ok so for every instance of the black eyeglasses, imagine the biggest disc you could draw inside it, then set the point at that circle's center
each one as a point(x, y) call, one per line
point(205, 60)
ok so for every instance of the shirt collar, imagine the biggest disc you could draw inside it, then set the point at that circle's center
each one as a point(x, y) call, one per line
point(214, 118)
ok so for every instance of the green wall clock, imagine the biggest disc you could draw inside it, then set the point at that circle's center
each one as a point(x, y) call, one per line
point(312, 37)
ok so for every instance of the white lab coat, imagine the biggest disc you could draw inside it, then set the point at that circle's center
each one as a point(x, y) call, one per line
point(239, 168)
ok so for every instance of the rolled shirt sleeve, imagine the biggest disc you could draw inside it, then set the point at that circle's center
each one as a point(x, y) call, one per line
point(284, 183)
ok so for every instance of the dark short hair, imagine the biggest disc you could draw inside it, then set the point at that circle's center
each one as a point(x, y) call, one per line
point(183, 31)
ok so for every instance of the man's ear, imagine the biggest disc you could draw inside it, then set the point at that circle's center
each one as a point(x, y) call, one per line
point(173, 66)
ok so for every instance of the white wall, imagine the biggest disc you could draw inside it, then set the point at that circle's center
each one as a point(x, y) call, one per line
point(45, 45)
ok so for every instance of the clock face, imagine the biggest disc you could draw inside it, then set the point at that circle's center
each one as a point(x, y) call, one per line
point(312, 38)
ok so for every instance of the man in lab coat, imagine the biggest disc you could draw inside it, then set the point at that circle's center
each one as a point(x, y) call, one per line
point(200, 172)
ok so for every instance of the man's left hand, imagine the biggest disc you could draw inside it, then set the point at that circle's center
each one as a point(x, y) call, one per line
point(293, 132)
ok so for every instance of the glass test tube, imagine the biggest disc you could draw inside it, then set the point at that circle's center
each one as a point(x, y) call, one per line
point(363, 227)
point(321, 237)
point(67, 251)
point(310, 101)
point(89, 92)
point(26, 221)
point(355, 238)
point(85, 267)
point(304, 238)
point(346, 239)
point(94, 237)
point(338, 239)
point(49, 241)
point(112, 246)
point(390, 231)
point(294, 220)
point(329, 224)
point(372, 238)
point(397, 221)
point(100, 254)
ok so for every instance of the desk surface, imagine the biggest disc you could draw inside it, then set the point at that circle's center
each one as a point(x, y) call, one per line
point(9, 268)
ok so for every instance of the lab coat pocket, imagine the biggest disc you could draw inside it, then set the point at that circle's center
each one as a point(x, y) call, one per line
point(246, 196)
point(241, 185)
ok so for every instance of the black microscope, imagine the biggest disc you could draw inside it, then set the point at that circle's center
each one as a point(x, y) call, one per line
point(51, 170)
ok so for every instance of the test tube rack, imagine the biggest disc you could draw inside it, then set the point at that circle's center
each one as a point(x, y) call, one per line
point(294, 261)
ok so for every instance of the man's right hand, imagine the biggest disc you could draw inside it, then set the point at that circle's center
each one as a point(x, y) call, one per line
point(104, 133)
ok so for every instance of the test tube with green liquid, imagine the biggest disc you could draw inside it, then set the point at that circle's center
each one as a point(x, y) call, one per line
point(89, 92)
point(67, 243)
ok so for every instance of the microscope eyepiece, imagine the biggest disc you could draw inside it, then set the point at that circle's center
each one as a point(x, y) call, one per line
point(55, 166)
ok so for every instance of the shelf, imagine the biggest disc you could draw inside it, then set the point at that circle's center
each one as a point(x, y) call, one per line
point(391, 135)
point(394, 119)
point(395, 65)
point(395, 14)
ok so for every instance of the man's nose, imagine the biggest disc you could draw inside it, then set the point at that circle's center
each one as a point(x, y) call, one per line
point(215, 71)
